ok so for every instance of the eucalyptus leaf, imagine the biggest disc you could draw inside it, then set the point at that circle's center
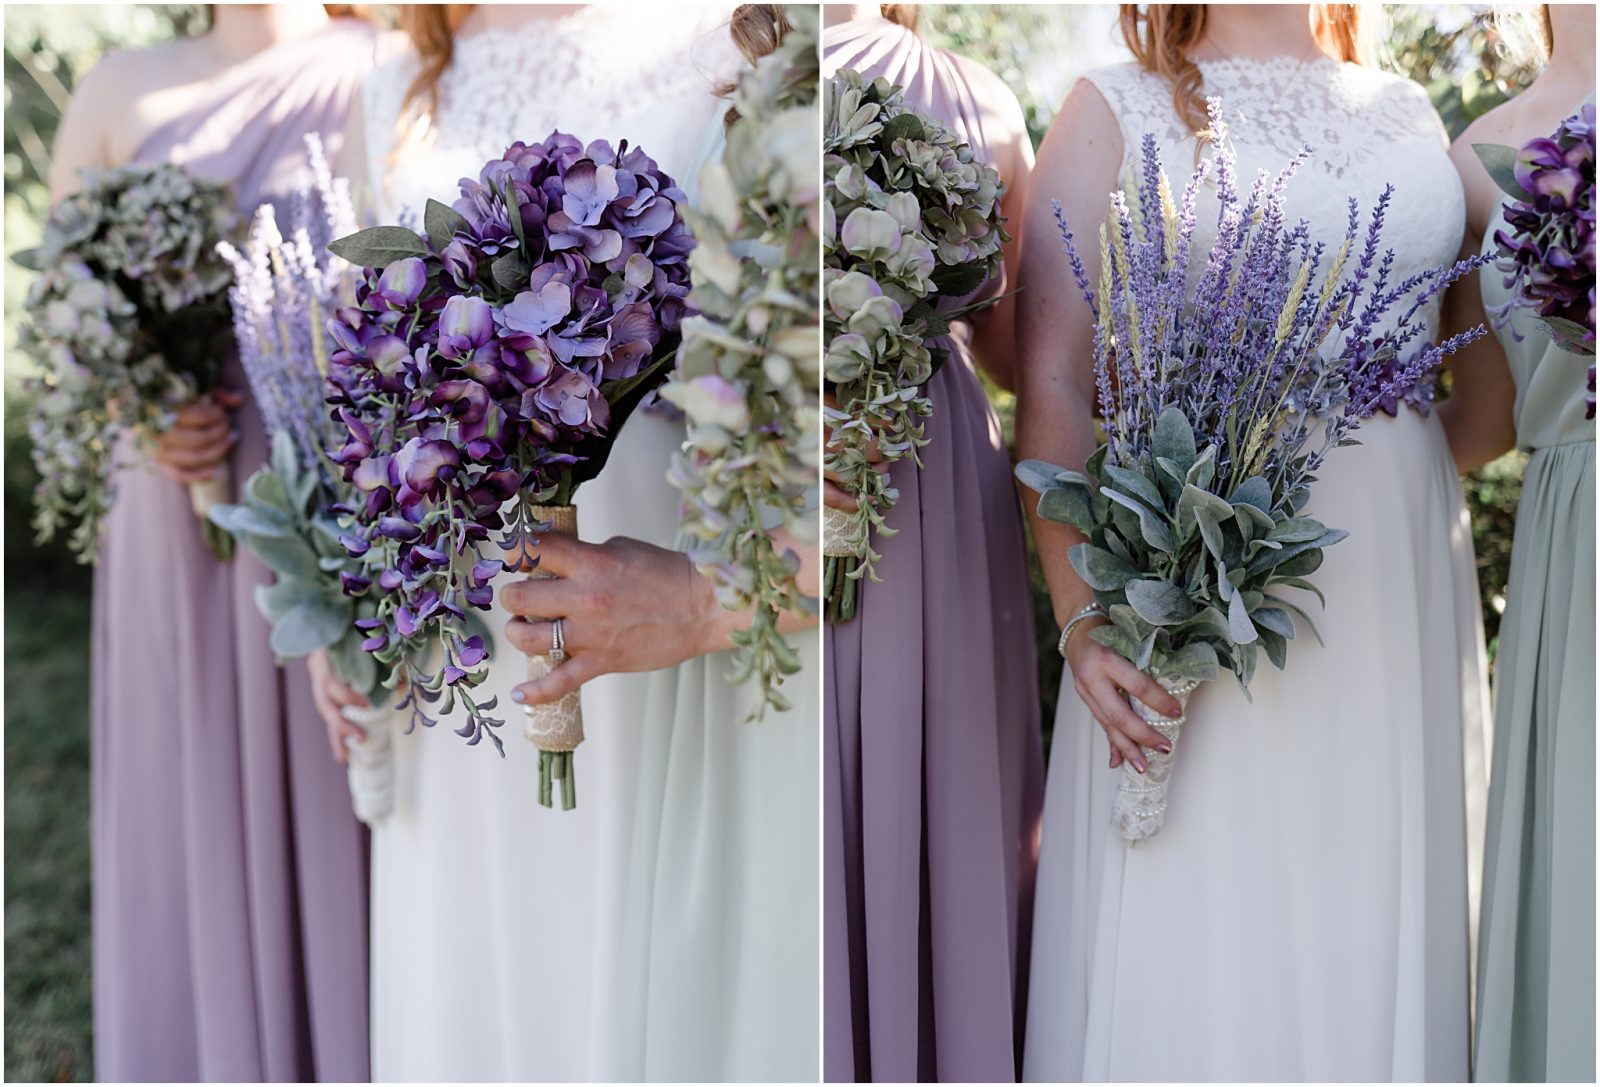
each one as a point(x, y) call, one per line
point(379, 246)
point(1500, 163)
point(510, 271)
point(443, 223)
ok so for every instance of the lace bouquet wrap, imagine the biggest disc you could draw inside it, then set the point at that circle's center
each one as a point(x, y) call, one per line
point(285, 284)
point(128, 321)
point(911, 219)
point(480, 376)
point(1220, 404)
point(1546, 248)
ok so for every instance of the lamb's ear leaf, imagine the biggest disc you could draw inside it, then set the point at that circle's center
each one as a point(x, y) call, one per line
point(1174, 438)
point(1197, 660)
point(1240, 628)
point(1275, 645)
point(310, 624)
point(1137, 484)
point(1274, 619)
point(1160, 603)
point(1500, 163)
point(1068, 505)
point(1117, 640)
point(1100, 569)
point(379, 246)
point(1036, 475)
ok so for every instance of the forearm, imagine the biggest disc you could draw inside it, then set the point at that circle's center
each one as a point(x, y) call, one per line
point(1054, 426)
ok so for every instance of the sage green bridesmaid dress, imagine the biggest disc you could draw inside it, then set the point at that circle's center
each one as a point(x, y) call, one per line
point(1536, 947)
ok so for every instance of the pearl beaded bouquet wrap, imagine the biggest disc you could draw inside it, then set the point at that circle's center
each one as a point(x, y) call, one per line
point(128, 321)
point(1546, 248)
point(480, 378)
point(748, 373)
point(911, 219)
point(1220, 405)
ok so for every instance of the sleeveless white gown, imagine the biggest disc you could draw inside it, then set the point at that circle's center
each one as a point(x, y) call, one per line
point(1304, 914)
point(510, 941)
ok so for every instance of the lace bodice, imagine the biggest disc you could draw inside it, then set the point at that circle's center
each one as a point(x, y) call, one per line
point(1366, 129)
point(645, 73)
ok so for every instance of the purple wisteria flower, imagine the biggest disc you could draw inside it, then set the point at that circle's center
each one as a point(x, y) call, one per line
point(493, 360)
point(1547, 245)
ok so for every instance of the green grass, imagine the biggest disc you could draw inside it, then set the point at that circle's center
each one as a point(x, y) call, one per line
point(47, 996)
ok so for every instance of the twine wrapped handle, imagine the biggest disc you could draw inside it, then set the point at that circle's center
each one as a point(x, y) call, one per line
point(1140, 807)
point(555, 728)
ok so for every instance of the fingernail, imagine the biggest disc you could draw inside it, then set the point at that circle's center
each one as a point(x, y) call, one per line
point(517, 695)
point(1140, 764)
point(1166, 749)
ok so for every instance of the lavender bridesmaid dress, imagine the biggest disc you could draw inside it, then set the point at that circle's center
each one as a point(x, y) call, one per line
point(229, 871)
point(932, 763)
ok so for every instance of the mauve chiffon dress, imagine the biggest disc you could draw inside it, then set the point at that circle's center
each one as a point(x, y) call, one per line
point(933, 772)
point(230, 935)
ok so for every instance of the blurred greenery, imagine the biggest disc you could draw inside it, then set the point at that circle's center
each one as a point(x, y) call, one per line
point(47, 940)
point(1453, 50)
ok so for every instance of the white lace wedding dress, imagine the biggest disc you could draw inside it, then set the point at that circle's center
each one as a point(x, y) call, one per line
point(1304, 914)
point(514, 942)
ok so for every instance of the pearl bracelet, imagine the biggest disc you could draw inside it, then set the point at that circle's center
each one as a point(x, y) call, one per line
point(1088, 612)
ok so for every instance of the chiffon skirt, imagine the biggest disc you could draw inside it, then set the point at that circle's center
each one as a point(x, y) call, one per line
point(1536, 1009)
point(1305, 912)
point(933, 771)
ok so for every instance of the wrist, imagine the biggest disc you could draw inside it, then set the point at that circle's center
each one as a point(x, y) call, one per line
point(1091, 614)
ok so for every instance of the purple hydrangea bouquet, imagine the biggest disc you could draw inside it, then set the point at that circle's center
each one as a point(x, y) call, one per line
point(481, 377)
point(911, 218)
point(284, 289)
point(748, 367)
point(127, 320)
point(1546, 248)
point(1220, 404)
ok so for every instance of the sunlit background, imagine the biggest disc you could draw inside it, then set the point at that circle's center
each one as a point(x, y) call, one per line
point(1039, 51)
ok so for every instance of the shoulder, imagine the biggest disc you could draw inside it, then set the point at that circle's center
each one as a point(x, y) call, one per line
point(1483, 195)
point(1117, 84)
point(1005, 126)
point(124, 75)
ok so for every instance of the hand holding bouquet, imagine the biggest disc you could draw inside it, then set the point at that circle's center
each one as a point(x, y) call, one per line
point(910, 218)
point(1220, 405)
point(127, 319)
point(482, 375)
point(747, 371)
point(1547, 246)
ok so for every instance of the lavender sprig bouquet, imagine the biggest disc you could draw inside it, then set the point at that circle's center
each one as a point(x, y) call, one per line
point(911, 218)
point(482, 376)
point(126, 320)
point(747, 373)
point(284, 290)
point(1546, 249)
point(1221, 404)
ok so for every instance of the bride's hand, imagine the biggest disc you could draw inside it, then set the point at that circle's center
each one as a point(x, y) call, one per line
point(1104, 679)
point(835, 495)
point(624, 605)
point(190, 450)
point(331, 693)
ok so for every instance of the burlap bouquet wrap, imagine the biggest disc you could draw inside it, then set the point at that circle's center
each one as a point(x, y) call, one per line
point(1140, 808)
point(555, 728)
